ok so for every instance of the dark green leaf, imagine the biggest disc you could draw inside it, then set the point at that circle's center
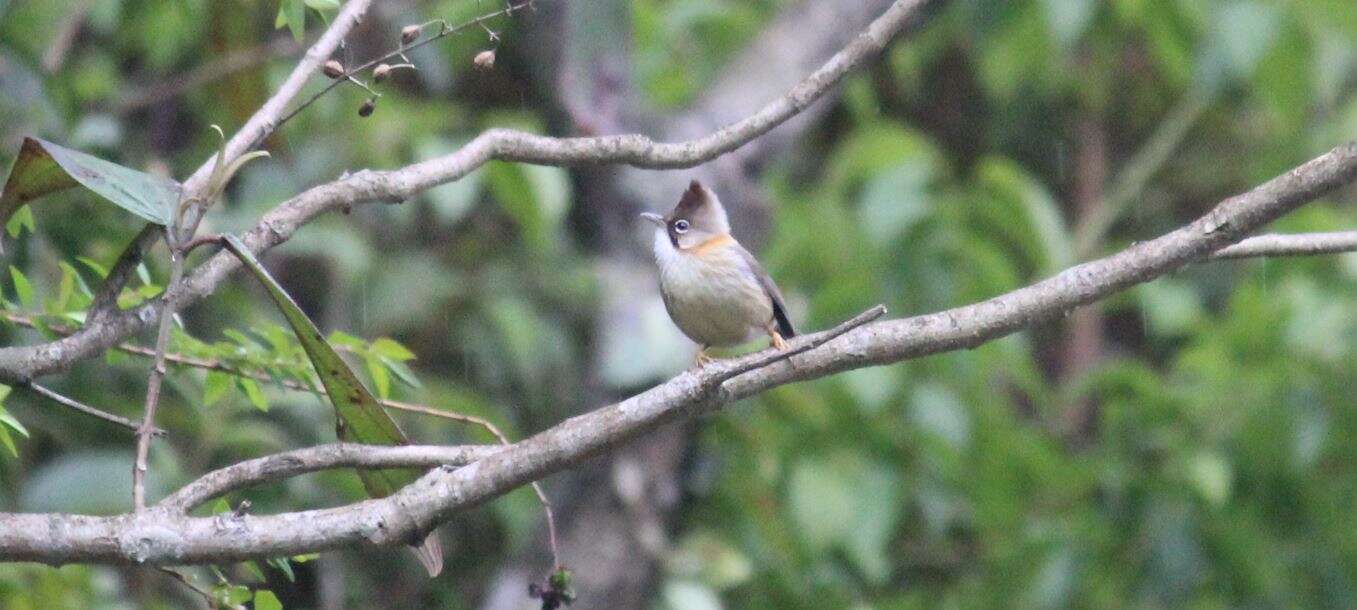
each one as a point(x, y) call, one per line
point(361, 418)
point(43, 168)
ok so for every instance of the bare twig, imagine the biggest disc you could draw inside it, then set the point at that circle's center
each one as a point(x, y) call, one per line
point(1130, 182)
point(67, 401)
point(443, 31)
point(187, 581)
point(1299, 244)
point(729, 369)
point(157, 375)
point(311, 459)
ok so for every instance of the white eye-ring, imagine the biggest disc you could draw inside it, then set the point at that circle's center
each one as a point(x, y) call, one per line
point(680, 226)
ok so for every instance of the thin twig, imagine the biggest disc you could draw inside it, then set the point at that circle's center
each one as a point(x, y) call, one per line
point(1131, 180)
point(67, 401)
point(729, 369)
point(1298, 244)
point(187, 581)
point(444, 31)
point(157, 375)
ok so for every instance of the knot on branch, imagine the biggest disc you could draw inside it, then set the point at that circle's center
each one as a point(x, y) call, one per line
point(149, 537)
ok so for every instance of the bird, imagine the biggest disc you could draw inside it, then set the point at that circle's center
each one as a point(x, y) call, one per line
point(715, 291)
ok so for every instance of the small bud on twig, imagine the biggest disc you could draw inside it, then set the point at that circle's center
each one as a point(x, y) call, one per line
point(409, 34)
point(484, 60)
point(368, 106)
point(380, 73)
point(333, 69)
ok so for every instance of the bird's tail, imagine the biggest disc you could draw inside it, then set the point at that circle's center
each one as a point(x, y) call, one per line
point(430, 554)
point(784, 324)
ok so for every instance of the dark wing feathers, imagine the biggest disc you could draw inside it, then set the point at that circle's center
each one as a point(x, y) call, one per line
point(784, 323)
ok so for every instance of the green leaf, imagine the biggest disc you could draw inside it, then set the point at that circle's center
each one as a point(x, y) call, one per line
point(264, 599)
point(8, 442)
point(22, 287)
point(254, 393)
point(216, 385)
point(292, 13)
point(256, 574)
point(284, 565)
point(389, 348)
point(65, 290)
point(323, 5)
point(381, 378)
point(83, 289)
point(94, 266)
point(361, 418)
point(537, 198)
point(43, 168)
point(21, 220)
point(9, 422)
point(230, 595)
point(402, 373)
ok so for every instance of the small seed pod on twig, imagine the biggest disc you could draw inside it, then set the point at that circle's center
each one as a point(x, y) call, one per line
point(484, 60)
point(381, 72)
point(409, 34)
point(333, 69)
point(368, 106)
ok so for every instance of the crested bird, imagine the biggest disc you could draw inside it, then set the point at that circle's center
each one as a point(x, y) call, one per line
point(715, 291)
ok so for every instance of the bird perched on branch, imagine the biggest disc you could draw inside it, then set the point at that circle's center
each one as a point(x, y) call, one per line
point(714, 289)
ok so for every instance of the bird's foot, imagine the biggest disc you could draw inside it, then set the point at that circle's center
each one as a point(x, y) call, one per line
point(702, 359)
point(778, 341)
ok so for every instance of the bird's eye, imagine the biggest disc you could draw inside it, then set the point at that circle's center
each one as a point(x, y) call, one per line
point(680, 226)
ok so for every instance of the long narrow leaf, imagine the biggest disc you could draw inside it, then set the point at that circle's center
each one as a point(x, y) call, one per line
point(361, 418)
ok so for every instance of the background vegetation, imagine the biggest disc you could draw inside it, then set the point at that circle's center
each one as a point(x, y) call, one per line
point(1184, 444)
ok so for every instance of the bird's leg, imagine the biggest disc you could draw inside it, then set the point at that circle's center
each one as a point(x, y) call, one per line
point(778, 341)
point(702, 358)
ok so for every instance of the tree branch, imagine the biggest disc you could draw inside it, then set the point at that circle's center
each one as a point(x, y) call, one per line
point(1300, 244)
point(311, 459)
point(159, 536)
point(19, 364)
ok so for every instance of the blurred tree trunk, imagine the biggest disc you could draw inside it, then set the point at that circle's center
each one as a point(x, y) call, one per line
point(1084, 337)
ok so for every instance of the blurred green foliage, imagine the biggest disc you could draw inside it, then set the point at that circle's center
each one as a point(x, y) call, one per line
point(1217, 472)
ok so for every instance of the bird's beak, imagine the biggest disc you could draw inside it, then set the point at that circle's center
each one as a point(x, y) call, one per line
point(655, 218)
